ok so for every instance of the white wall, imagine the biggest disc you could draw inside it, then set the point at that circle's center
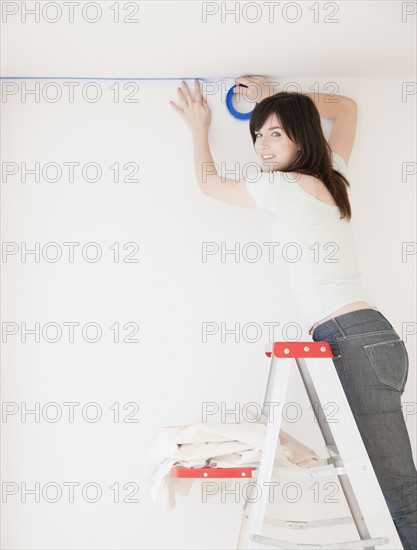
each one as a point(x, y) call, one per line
point(170, 292)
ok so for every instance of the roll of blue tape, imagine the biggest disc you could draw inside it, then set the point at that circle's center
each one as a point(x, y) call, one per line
point(232, 110)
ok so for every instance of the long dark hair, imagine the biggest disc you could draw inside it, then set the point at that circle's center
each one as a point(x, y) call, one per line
point(300, 120)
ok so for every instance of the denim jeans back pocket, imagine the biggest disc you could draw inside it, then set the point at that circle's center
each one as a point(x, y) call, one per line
point(389, 360)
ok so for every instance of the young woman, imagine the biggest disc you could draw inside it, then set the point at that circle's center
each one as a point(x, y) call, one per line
point(303, 184)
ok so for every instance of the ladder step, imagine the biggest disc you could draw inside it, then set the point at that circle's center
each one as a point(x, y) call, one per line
point(307, 472)
point(347, 545)
point(290, 524)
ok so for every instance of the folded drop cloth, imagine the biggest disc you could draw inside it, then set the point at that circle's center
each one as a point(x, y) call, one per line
point(217, 445)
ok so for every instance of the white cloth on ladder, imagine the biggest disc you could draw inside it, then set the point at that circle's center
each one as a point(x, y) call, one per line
point(213, 444)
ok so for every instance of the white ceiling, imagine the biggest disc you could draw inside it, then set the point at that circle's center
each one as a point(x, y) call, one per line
point(370, 39)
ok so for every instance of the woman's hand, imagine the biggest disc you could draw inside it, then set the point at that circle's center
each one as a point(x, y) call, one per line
point(195, 112)
point(257, 90)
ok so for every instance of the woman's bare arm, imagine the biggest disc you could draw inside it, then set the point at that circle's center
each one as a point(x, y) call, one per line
point(211, 182)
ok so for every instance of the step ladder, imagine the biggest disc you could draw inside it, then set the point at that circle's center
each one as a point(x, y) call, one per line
point(348, 458)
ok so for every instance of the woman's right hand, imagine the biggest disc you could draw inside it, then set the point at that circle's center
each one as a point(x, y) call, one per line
point(257, 90)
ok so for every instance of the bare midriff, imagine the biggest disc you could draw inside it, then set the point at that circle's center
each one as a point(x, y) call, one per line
point(354, 306)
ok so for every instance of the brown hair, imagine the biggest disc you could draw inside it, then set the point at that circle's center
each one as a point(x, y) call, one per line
point(300, 120)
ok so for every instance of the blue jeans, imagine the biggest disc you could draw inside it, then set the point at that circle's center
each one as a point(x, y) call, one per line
point(372, 363)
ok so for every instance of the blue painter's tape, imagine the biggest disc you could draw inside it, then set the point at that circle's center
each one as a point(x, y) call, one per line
point(90, 78)
point(232, 110)
point(229, 97)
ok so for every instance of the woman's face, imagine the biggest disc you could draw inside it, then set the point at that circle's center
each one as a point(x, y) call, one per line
point(272, 140)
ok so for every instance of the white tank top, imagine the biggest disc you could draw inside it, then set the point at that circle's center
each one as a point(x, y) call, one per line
point(320, 249)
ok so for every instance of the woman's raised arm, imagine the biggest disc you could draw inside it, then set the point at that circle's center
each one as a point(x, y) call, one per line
point(342, 110)
point(196, 113)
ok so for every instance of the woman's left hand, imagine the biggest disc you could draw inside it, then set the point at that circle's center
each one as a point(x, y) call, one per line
point(195, 112)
